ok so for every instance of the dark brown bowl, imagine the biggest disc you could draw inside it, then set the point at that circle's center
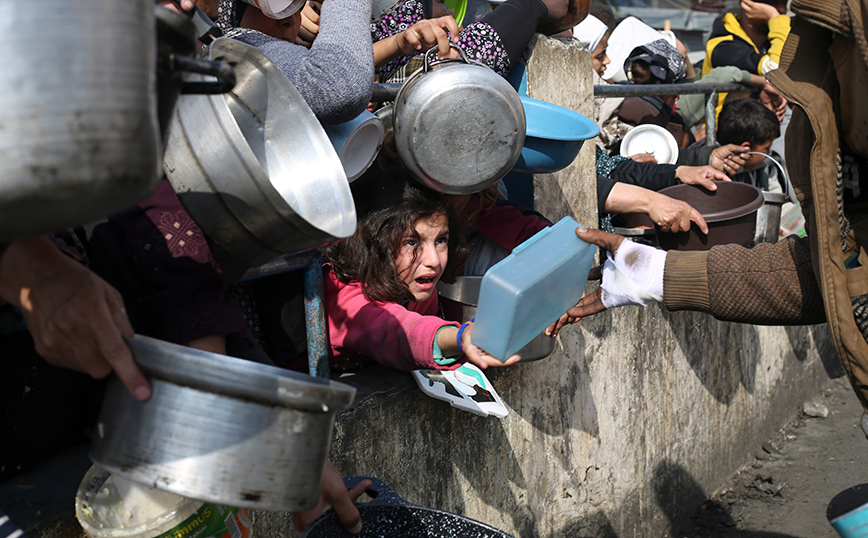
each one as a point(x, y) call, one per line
point(730, 212)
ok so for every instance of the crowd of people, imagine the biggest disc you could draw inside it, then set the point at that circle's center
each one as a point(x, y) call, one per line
point(68, 300)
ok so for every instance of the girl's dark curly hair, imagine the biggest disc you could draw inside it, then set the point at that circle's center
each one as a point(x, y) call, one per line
point(388, 204)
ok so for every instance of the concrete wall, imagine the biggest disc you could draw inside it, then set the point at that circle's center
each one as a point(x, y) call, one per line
point(638, 416)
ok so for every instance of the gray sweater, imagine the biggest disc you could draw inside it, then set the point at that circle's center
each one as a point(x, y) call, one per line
point(336, 75)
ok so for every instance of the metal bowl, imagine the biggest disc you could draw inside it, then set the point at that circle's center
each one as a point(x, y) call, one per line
point(254, 168)
point(459, 127)
point(220, 429)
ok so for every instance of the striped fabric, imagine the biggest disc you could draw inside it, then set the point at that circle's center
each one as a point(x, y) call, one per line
point(8, 529)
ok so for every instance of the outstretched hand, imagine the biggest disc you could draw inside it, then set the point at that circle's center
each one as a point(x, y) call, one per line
point(704, 176)
point(589, 304)
point(430, 32)
point(478, 356)
point(672, 215)
point(729, 158)
point(334, 494)
point(76, 319)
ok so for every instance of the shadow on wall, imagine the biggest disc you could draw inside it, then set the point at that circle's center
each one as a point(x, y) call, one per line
point(801, 338)
point(678, 495)
point(720, 367)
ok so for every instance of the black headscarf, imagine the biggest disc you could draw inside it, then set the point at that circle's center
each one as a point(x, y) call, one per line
point(664, 61)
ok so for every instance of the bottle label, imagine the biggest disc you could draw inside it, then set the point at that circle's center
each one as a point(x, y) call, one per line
point(213, 521)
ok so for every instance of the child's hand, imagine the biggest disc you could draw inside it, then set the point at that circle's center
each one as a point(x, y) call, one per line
point(758, 11)
point(309, 24)
point(429, 32)
point(334, 494)
point(478, 356)
point(729, 158)
point(773, 100)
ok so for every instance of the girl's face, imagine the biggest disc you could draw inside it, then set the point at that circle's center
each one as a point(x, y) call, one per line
point(599, 57)
point(422, 256)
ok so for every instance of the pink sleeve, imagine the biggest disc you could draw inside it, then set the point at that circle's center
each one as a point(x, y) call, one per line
point(508, 225)
point(388, 333)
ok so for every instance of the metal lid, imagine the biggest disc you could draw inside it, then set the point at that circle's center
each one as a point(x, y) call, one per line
point(239, 378)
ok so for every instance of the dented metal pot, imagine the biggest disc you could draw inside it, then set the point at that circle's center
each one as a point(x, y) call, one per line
point(459, 126)
point(220, 429)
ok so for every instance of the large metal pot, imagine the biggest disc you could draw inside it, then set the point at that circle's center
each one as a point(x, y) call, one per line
point(459, 127)
point(465, 293)
point(78, 126)
point(220, 429)
point(254, 168)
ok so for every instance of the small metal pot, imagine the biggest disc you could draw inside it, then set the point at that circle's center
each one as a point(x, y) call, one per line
point(78, 128)
point(390, 515)
point(459, 127)
point(254, 167)
point(220, 429)
point(768, 218)
point(465, 292)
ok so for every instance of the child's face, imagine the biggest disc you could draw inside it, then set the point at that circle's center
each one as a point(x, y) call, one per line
point(599, 57)
point(421, 260)
point(755, 161)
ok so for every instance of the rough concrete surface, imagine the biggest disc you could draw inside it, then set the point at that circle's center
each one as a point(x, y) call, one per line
point(786, 490)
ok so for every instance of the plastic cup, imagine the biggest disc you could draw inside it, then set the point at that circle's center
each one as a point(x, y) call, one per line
point(357, 142)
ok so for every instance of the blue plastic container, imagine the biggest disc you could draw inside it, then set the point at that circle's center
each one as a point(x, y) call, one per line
point(853, 524)
point(554, 137)
point(532, 287)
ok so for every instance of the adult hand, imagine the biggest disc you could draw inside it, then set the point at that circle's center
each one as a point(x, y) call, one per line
point(773, 100)
point(644, 158)
point(729, 158)
point(673, 215)
point(479, 356)
point(704, 176)
point(309, 29)
point(589, 304)
point(758, 11)
point(334, 494)
point(430, 32)
point(76, 319)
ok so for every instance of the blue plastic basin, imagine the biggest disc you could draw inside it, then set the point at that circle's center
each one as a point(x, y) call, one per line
point(554, 137)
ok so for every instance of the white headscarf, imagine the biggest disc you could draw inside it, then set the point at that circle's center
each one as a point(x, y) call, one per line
point(590, 31)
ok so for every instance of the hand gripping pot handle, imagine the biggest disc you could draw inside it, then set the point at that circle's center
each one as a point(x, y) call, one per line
point(426, 63)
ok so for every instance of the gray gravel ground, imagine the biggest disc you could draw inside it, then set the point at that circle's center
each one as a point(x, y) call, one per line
point(786, 490)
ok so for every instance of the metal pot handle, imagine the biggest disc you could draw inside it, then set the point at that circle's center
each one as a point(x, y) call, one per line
point(222, 71)
point(205, 28)
point(785, 178)
point(426, 64)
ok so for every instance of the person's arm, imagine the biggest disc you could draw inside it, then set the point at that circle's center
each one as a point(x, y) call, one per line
point(769, 284)
point(692, 107)
point(336, 75)
point(389, 333)
point(669, 214)
point(76, 319)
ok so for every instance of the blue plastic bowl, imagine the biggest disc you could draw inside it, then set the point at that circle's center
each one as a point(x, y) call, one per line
point(554, 137)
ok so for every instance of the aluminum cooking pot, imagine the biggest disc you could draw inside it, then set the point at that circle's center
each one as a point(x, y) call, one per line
point(220, 429)
point(459, 126)
point(390, 515)
point(253, 167)
point(78, 127)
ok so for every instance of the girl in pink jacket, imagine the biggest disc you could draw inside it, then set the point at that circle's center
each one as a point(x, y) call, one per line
point(380, 288)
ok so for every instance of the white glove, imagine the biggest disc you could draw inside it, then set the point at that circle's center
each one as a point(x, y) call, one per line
point(633, 276)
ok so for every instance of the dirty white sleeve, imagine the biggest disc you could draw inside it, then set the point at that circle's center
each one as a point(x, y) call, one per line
point(634, 276)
